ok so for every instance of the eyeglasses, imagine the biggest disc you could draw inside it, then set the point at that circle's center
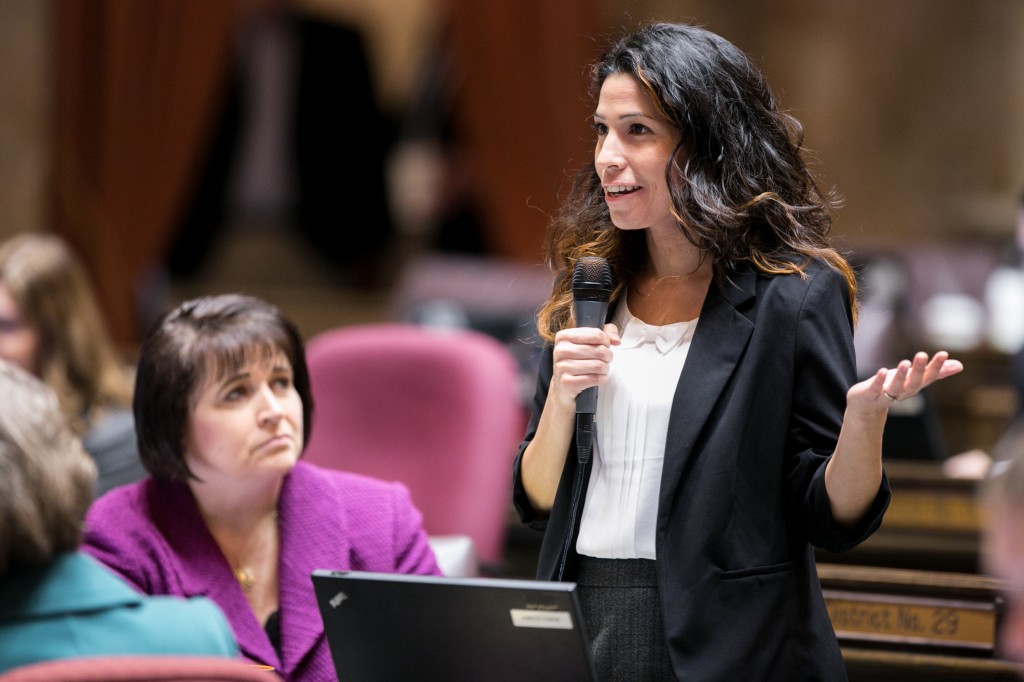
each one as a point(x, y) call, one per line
point(10, 325)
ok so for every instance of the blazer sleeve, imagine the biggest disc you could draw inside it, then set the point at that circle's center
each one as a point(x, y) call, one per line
point(527, 514)
point(825, 368)
point(376, 520)
point(412, 549)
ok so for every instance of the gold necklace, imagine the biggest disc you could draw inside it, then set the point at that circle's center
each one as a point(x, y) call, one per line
point(645, 291)
point(245, 575)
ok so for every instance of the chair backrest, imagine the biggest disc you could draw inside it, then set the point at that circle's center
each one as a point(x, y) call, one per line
point(161, 668)
point(438, 410)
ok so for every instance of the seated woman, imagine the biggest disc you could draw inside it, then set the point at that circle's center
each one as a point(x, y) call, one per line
point(50, 325)
point(222, 408)
point(54, 601)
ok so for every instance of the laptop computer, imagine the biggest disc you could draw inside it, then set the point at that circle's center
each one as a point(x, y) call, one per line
point(383, 626)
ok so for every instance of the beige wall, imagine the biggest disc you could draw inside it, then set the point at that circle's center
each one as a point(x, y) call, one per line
point(914, 108)
point(24, 114)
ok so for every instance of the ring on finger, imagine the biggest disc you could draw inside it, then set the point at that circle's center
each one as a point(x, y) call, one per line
point(890, 396)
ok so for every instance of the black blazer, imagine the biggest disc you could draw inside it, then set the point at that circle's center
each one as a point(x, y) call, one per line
point(755, 417)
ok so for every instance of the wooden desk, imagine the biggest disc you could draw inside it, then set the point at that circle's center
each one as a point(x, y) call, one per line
point(869, 665)
point(896, 624)
point(920, 611)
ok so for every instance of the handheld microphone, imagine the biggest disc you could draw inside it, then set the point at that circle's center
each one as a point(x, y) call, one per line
point(591, 289)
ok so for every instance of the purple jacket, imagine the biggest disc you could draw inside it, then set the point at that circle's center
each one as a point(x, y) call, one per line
point(151, 533)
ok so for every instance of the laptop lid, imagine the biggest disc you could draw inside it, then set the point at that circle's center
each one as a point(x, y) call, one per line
point(383, 626)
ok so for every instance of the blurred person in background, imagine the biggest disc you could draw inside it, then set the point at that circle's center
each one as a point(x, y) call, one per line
point(1004, 300)
point(51, 326)
point(222, 406)
point(55, 602)
point(1002, 546)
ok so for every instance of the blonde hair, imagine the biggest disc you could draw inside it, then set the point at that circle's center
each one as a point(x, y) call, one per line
point(46, 477)
point(76, 357)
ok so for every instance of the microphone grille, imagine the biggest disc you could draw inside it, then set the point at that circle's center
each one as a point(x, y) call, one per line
point(592, 272)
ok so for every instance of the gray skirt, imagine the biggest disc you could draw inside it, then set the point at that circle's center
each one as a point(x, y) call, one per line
point(622, 614)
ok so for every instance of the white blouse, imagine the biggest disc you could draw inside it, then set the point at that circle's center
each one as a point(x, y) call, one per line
point(621, 508)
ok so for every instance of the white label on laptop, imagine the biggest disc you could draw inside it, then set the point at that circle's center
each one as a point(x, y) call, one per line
point(554, 620)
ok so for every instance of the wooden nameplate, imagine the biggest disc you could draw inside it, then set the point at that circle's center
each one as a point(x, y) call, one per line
point(912, 610)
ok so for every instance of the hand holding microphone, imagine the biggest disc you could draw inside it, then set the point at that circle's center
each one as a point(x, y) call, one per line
point(591, 289)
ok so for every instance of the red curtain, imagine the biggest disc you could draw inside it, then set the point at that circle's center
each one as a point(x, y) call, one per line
point(523, 109)
point(138, 87)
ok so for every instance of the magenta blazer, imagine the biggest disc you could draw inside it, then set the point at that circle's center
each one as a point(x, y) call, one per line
point(151, 534)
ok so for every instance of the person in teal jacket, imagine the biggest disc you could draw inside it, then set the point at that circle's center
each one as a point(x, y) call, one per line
point(56, 602)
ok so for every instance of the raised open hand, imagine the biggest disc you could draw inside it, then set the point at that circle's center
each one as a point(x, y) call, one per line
point(888, 386)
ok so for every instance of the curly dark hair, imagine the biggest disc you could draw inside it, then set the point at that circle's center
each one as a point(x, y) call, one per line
point(740, 187)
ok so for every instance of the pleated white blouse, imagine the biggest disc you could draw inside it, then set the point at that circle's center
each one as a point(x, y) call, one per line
point(633, 408)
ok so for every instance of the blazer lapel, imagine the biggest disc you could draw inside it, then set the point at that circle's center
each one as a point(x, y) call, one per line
point(718, 344)
point(203, 571)
point(313, 535)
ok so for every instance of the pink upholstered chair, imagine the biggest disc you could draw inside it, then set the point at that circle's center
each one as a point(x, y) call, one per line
point(141, 668)
point(439, 410)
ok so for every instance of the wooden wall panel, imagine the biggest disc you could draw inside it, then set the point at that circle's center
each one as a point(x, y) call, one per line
point(914, 109)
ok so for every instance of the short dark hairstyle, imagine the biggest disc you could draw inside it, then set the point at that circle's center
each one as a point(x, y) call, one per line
point(204, 338)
